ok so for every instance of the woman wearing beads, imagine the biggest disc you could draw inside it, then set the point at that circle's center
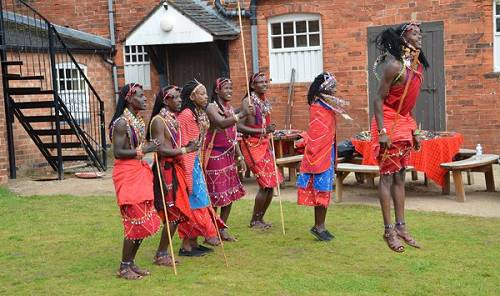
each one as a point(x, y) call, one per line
point(393, 128)
point(194, 124)
point(221, 147)
point(317, 171)
point(132, 177)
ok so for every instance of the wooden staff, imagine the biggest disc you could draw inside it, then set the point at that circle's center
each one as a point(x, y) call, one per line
point(165, 212)
point(278, 185)
point(244, 53)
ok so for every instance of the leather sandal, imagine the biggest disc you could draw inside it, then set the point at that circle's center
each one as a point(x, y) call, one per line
point(393, 242)
point(128, 274)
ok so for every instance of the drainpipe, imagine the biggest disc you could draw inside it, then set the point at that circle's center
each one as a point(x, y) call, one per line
point(111, 18)
point(252, 14)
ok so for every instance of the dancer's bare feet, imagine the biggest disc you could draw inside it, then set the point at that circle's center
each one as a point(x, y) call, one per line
point(259, 225)
point(213, 241)
point(224, 234)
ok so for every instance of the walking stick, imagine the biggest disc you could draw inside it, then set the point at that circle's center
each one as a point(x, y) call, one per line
point(278, 185)
point(244, 53)
point(165, 212)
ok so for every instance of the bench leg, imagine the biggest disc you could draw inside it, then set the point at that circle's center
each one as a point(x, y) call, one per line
point(293, 175)
point(470, 178)
point(360, 178)
point(339, 186)
point(446, 187)
point(414, 175)
point(459, 186)
point(370, 180)
point(426, 180)
point(490, 180)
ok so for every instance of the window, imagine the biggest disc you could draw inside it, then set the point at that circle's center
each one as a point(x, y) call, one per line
point(137, 66)
point(496, 29)
point(295, 43)
point(73, 90)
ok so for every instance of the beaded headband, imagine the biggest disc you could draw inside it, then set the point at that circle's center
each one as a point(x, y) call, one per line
point(133, 89)
point(409, 27)
point(196, 88)
point(220, 82)
point(170, 92)
point(329, 83)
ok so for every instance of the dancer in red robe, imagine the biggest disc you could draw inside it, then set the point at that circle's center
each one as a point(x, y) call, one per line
point(132, 177)
point(393, 128)
point(316, 180)
point(256, 146)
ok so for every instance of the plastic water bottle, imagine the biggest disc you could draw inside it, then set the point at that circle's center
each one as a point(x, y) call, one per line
point(479, 151)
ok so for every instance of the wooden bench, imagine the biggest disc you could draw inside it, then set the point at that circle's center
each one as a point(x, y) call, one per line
point(344, 169)
point(293, 163)
point(484, 164)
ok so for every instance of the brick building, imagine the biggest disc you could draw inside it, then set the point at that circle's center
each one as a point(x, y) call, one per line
point(461, 39)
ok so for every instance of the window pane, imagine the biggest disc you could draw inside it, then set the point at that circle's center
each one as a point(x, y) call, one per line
point(139, 57)
point(276, 29)
point(313, 26)
point(277, 42)
point(498, 25)
point(146, 58)
point(314, 40)
point(134, 59)
point(75, 85)
point(140, 48)
point(74, 73)
point(301, 40)
point(61, 85)
point(68, 73)
point(288, 28)
point(68, 85)
point(61, 74)
point(498, 9)
point(127, 49)
point(300, 27)
point(288, 41)
point(132, 49)
point(127, 59)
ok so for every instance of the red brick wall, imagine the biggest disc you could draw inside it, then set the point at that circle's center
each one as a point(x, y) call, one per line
point(472, 98)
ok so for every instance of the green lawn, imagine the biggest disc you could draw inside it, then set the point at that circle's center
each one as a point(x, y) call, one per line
point(65, 245)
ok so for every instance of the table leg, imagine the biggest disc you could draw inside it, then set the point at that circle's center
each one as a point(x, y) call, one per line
point(459, 186)
point(490, 180)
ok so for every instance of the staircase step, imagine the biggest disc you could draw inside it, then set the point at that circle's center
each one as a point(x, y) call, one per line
point(72, 158)
point(63, 145)
point(19, 77)
point(12, 63)
point(43, 118)
point(52, 132)
point(29, 91)
point(30, 105)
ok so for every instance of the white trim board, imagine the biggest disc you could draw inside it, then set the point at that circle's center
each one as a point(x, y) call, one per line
point(184, 30)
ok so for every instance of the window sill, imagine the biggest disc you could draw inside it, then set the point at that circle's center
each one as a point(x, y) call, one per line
point(492, 75)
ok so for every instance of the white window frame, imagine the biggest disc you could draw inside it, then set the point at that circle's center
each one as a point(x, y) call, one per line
point(273, 51)
point(75, 99)
point(136, 60)
point(496, 37)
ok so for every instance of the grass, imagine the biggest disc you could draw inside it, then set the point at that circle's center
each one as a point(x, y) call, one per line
point(65, 245)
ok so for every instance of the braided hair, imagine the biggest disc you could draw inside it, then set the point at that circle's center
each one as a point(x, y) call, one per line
point(391, 41)
point(159, 104)
point(127, 90)
point(186, 92)
point(315, 88)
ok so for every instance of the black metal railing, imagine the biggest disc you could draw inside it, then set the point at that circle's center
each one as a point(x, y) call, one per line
point(48, 64)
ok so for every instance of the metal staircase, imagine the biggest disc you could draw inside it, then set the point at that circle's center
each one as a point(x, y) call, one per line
point(48, 92)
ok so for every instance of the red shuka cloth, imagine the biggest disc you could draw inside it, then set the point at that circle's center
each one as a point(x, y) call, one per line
point(133, 182)
point(400, 126)
point(259, 158)
point(320, 137)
